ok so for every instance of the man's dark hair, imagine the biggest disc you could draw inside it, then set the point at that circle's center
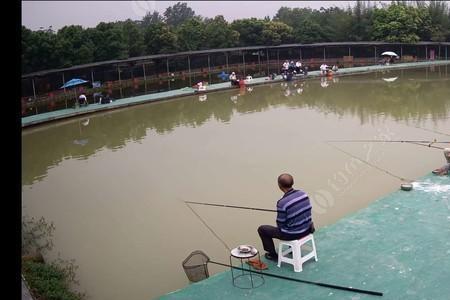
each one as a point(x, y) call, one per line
point(285, 181)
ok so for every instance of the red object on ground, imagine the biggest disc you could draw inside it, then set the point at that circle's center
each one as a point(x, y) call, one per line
point(242, 83)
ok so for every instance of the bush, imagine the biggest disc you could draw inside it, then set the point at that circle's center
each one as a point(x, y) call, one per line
point(48, 281)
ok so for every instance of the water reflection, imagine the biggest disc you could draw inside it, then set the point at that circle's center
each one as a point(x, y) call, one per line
point(416, 93)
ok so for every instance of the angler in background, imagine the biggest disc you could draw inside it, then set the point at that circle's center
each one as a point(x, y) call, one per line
point(444, 170)
point(294, 219)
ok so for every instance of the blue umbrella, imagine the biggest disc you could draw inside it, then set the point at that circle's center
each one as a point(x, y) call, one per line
point(73, 82)
point(224, 76)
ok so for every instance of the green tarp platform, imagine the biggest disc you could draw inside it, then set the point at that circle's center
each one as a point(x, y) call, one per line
point(399, 245)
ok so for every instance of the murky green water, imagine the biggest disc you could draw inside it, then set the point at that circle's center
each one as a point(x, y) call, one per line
point(114, 184)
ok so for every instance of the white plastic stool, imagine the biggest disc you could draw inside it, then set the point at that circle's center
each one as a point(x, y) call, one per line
point(294, 246)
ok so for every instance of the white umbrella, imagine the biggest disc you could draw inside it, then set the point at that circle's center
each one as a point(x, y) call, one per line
point(391, 79)
point(389, 53)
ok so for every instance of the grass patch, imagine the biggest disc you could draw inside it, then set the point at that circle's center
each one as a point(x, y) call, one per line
point(48, 281)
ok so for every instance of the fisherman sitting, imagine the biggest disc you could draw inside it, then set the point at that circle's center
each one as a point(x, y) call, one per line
point(201, 86)
point(323, 69)
point(444, 170)
point(298, 66)
point(105, 100)
point(82, 100)
point(293, 220)
point(233, 79)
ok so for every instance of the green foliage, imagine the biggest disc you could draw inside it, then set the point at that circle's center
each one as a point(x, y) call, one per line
point(109, 39)
point(48, 282)
point(397, 23)
point(250, 31)
point(36, 235)
point(179, 29)
point(220, 34)
point(276, 33)
point(151, 18)
point(158, 38)
point(178, 14)
point(191, 35)
point(133, 38)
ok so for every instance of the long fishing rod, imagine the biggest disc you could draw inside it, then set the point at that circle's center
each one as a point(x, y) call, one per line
point(368, 163)
point(430, 143)
point(209, 228)
point(332, 286)
point(429, 146)
point(431, 130)
point(392, 141)
point(231, 206)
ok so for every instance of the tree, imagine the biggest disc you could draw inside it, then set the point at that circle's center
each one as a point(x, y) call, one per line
point(158, 38)
point(109, 42)
point(439, 21)
point(191, 35)
point(219, 33)
point(133, 38)
point(397, 23)
point(309, 31)
point(276, 33)
point(178, 14)
point(38, 50)
point(250, 31)
point(72, 47)
point(151, 18)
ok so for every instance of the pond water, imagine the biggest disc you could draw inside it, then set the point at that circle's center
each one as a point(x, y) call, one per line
point(114, 184)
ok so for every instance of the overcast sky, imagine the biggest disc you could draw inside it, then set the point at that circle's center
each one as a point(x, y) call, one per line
point(36, 14)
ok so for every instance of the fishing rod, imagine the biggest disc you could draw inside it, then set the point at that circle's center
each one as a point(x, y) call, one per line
point(431, 130)
point(332, 286)
point(392, 141)
point(368, 163)
point(209, 228)
point(231, 206)
point(430, 143)
point(429, 146)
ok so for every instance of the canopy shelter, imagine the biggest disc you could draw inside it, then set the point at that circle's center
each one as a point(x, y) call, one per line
point(73, 83)
point(389, 53)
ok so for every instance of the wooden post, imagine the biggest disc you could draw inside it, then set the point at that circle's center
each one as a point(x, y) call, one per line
point(243, 61)
point(267, 59)
point(34, 89)
point(209, 64)
point(120, 80)
point(375, 55)
point(426, 52)
point(189, 69)
point(226, 60)
point(209, 68)
point(259, 62)
point(278, 60)
point(401, 52)
point(92, 77)
point(167, 64)
point(349, 52)
point(64, 82)
point(145, 78)
point(439, 52)
point(324, 57)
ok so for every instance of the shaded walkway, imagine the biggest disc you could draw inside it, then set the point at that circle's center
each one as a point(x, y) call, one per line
point(188, 91)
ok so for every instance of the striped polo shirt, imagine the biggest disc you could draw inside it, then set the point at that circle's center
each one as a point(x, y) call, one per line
point(294, 212)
